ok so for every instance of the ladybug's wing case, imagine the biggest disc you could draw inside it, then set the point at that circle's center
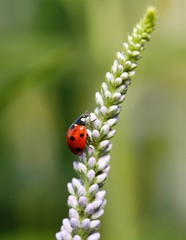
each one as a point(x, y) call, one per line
point(77, 138)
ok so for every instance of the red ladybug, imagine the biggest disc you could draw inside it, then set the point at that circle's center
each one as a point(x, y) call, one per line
point(77, 136)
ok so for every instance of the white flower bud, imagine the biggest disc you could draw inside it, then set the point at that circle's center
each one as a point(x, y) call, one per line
point(125, 45)
point(98, 214)
point(118, 81)
point(143, 41)
point(105, 129)
point(104, 144)
point(103, 162)
point(127, 64)
point(124, 75)
point(75, 166)
point(111, 134)
point(141, 49)
point(95, 134)
point(76, 237)
point(135, 31)
point(99, 99)
point(97, 203)
point(116, 96)
point(104, 86)
point(100, 195)
point(92, 117)
point(97, 111)
point(120, 56)
point(86, 223)
point(114, 109)
point(63, 228)
point(128, 82)
point(114, 70)
point(137, 46)
point(83, 158)
point(81, 191)
point(103, 203)
point(122, 98)
point(82, 168)
point(89, 134)
point(94, 224)
point(73, 213)
point(130, 38)
point(132, 73)
point(72, 201)
point(90, 150)
point(70, 188)
point(122, 89)
point(97, 124)
point(129, 52)
point(107, 94)
point(133, 65)
point(94, 236)
point(66, 225)
point(89, 209)
point(65, 235)
point(120, 68)
point(101, 178)
point(107, 169)
point(74, 222)
point(103, 110)
point(109, 76)
point(93, 189)
point(83, 201)
point(111, 122)
point(108, 148)
point(91, 174)
point(91, 162)
point(76, 183)
point(135, 53)
point(59, 235)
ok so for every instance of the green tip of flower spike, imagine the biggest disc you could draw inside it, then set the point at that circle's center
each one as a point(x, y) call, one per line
point(152, 13)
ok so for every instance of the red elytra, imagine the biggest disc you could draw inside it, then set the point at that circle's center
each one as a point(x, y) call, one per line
point(77, 136)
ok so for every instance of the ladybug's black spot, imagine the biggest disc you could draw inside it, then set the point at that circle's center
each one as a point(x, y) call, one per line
point(81, 135)
point(78, 149)
point(72, 138)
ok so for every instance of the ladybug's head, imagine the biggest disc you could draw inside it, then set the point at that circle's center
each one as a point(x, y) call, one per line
point(80, 120)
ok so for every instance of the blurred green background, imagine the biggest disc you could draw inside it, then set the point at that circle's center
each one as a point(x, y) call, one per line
point(53, 57)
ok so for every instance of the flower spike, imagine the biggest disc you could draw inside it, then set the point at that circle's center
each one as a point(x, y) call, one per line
point(87, 199)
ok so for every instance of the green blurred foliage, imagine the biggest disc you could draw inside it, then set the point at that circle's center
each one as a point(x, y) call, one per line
point(53, 57)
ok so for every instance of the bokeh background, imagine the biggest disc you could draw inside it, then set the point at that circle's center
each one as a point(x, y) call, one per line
point(53, 57)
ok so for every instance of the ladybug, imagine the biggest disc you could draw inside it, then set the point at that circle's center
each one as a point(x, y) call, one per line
point(77, 136)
